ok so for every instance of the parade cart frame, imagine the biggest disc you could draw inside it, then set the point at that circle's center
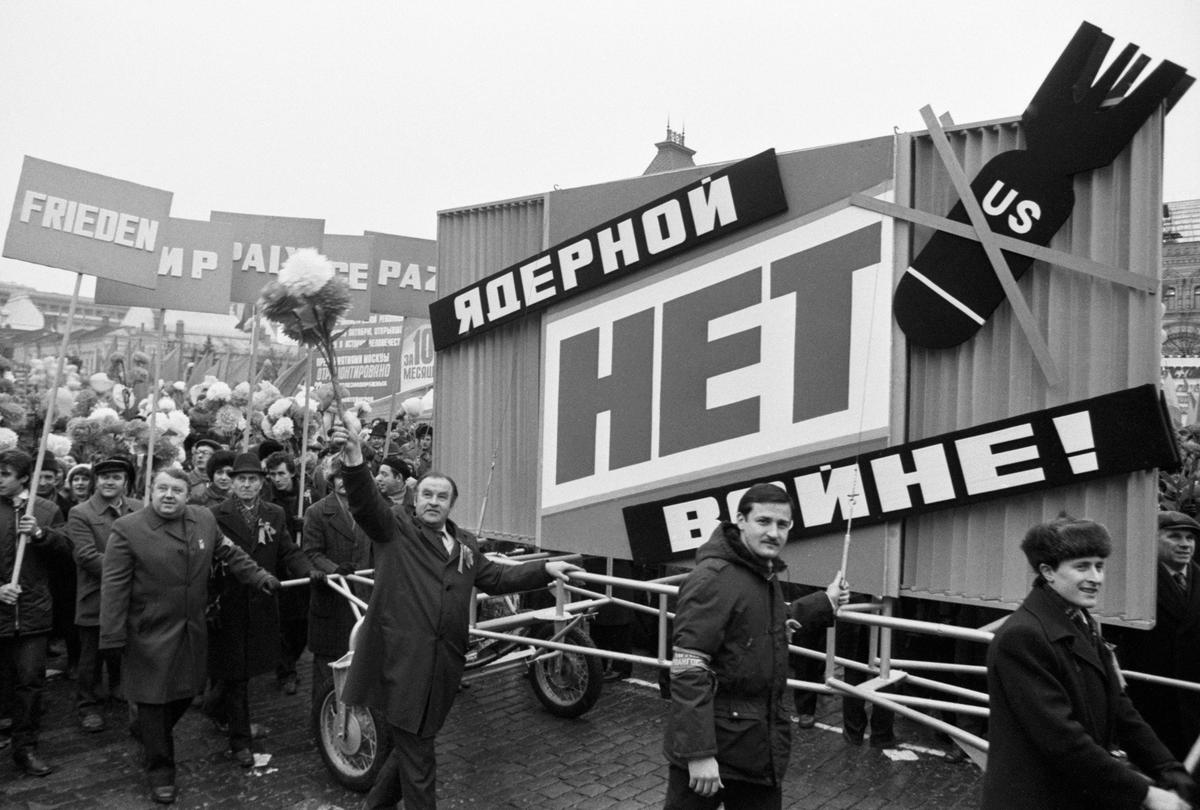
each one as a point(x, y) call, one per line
point(551, 645)
point(564, 667)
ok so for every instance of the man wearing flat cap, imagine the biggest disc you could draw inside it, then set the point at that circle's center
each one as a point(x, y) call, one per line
point(88, 525)
point(1172, 648)
point(201, 451)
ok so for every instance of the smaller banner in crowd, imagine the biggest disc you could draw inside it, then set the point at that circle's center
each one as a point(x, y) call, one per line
point(195, 267)
point(368, 358)
point(351, 257)
point(416, 363)
point(1108, 435)
point(88, 223)
point(261, 244)
point(403, 275)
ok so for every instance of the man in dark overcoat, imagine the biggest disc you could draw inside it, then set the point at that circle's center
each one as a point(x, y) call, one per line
point(245, 634)
point(334, 544)
point(26, 609)
point(153, 591)
point(410, 653)
point(89, 525)
point(1172, 648)
point(284, 489)
point(1059, 712)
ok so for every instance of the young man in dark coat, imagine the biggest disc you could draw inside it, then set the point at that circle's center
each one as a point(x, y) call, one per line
point(152, 595)
point(1059, 713)
point(334, 544)
point(244, 641)
point(1172, 648)
point(410, 653)
point(728, 736)
point(285, 491)
point(26, 609)
point(89, 525)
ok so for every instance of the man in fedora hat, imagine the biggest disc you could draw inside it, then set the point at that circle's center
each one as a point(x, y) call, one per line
point(244, 639)
point(89, 525)
point(1172, 648)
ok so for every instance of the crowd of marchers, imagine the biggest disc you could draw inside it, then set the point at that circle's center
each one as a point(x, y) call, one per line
point(155, 604)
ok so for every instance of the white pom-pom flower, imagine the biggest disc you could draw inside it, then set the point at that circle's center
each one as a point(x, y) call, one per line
point(178, 422)
point(305, 272)
point(8, 439)
point(100, 382)
point(283, 429)
point(104, 415)
point(166, 404)
point(219, 392)
point(279, 407)
point(179, 385)
point(58, 445)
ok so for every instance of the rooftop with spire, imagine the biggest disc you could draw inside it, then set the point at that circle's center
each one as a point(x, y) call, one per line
point(672, 153)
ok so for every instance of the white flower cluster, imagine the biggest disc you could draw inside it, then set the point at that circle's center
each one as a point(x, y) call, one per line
point(305, 272)
point(104, 415)
point(219, 392)
point(8, 439)
point(58, 445)
point(283, 429)
point(173, 421)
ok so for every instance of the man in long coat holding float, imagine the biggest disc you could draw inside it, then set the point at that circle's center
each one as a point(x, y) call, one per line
point(410, 652)
point(152, 598)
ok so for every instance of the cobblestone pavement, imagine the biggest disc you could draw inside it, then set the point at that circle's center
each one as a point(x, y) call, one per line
point(499, 749)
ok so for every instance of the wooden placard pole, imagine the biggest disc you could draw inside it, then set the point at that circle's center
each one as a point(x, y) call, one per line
point(308, 375)
point(153, 394)
point(51, 402)
point(250, 374)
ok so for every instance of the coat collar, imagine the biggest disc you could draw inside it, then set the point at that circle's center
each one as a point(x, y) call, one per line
point(1050, 610)
point(176, 528)
point(726, 543)
point(338, 515)
point(122, 506)
point(1170, 600)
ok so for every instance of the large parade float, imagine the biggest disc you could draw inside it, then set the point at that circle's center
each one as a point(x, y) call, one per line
point(932, 340)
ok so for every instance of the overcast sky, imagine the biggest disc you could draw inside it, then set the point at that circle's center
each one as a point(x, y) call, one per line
point(374, 116)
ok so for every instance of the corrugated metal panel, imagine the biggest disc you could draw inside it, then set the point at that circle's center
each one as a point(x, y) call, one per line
point(1104, 337)
point(490, 383)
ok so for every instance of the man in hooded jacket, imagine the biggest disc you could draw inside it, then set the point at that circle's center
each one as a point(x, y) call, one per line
point(728, 735)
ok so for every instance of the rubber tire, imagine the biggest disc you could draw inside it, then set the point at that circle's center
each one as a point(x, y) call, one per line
point(355, 770)
point(569, 684)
